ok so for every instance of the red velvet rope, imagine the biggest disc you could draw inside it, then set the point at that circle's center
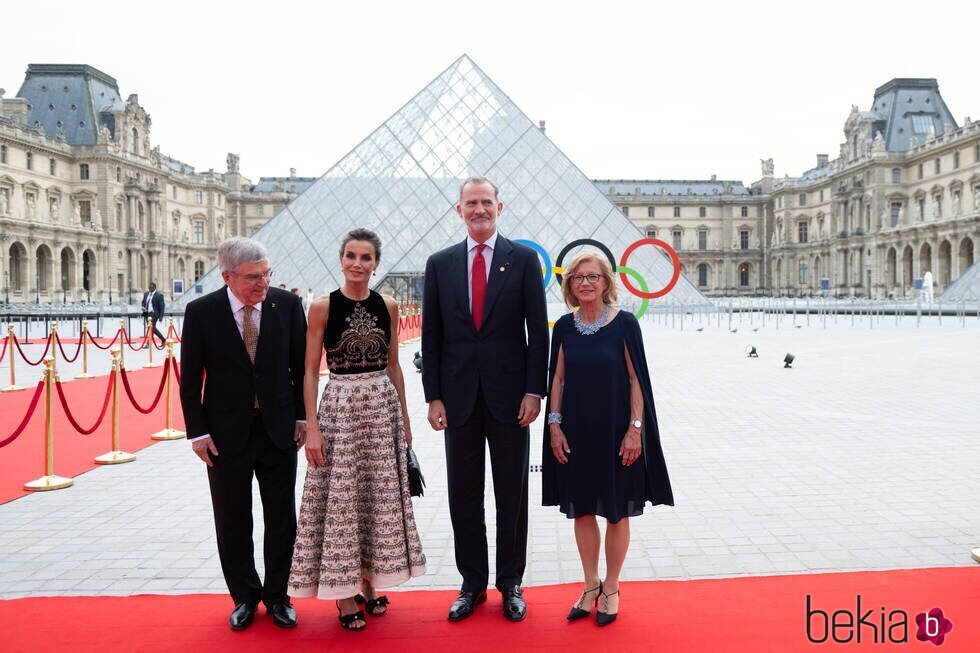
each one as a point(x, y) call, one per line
point(172, 333)
point(24, 356)
point(105, 405)
point(176, 372)
point(156, 400)
point(129, 343)
point(98, 346)
point(3, 353)
point(27, 417)
point(78, 350)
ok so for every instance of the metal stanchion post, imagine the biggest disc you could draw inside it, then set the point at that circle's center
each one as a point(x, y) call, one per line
point(169, 432)
point(13, 387)
point(123, 336)
point(115, 456)
point(54, 346)
point(84, 340)
point(149, 341)
point(49, 481)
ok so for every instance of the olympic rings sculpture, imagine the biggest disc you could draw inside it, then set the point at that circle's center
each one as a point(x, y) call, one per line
point(625, 272)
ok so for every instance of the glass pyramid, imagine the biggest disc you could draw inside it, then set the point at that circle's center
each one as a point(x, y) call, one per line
point(402, 181)
point(964, 289)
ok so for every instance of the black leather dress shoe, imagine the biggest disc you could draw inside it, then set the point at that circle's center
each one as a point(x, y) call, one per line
point(463, 606)
point(282, 613)
point(515, 608)
point(242, 616)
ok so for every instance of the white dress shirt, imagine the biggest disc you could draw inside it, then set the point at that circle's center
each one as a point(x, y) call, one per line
point(238, 312)
point(471, 246)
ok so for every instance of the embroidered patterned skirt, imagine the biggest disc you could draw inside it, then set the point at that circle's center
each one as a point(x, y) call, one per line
point(356, 520)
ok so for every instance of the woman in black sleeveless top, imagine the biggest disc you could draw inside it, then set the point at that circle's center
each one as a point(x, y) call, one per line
point(356, 529)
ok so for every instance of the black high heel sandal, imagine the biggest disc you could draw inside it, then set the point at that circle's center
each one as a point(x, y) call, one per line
point(605, 618)
point(577, 612)
point(347, 620)
point(373, 604)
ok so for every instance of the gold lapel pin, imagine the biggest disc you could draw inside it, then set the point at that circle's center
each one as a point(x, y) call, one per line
point(501, 268)
point(273, 304)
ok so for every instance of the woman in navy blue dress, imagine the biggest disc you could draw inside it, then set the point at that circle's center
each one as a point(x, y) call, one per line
point(602, 454)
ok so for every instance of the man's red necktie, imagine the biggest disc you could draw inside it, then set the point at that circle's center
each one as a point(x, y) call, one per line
point(479, 285)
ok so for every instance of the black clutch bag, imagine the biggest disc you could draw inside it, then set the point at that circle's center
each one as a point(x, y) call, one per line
point(416, 482)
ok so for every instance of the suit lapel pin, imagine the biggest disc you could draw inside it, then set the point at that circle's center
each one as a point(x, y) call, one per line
point(273, 304)
point(503, 268)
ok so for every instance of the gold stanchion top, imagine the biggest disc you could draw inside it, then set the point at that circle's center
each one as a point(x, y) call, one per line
point(48, 361)
point(170, 346)
point(54, 326)
point(84, 324)
point(10, 329)
point(114, 352)
point(115, 360)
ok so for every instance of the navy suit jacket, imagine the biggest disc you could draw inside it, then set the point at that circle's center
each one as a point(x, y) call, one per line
point(508, 357)
point(218, 381)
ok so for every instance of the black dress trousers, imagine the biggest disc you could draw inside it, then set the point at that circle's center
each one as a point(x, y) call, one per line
point(231, 495)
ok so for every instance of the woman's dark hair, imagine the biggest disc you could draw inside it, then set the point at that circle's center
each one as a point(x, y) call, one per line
point(365, 235)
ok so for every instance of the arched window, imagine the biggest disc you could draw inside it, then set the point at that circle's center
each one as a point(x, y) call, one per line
point(198, 270)
point(743, 275)
point(703, 275)
point(135, 149)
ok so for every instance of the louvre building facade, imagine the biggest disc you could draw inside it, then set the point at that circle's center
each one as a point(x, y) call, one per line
point(92, 210)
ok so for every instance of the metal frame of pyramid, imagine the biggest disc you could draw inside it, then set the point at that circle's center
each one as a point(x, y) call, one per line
point(402, 181)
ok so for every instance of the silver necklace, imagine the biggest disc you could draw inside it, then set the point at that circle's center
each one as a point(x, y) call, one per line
point(592, 327)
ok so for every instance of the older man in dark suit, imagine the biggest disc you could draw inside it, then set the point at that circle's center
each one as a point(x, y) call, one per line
point(485, 348)
point(242, 357)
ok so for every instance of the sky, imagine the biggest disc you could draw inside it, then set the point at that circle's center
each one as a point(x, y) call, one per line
point(628, 90)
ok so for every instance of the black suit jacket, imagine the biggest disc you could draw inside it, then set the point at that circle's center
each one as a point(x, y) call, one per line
point(218, 381)
point(508, 357)
point(157, 307)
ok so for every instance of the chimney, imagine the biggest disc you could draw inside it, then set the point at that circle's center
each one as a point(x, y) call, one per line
point(541, 125)
point(292, 172)
point(822, 160)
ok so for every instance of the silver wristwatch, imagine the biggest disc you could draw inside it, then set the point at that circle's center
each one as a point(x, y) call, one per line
point(554, 418)
point(637, 423)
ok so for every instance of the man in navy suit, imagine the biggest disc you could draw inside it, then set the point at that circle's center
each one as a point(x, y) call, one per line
point(485, 351)
point(242, 364)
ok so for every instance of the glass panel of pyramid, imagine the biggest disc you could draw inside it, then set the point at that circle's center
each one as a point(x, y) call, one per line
point(402, 181)
point(966, 288)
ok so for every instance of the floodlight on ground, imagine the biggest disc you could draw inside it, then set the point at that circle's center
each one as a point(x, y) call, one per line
point(751, 352)
point(788, 361)
point(975, 554)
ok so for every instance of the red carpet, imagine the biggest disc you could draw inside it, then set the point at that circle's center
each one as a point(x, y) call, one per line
point(741, 614)
point(23, 459)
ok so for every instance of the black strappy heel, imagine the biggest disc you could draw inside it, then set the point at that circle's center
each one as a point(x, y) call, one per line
point(347, 620)
point(374, 604)
point(577, 612)
point(605, 618)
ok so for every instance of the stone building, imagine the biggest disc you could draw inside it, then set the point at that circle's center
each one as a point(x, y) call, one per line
point(716, 227)
point(901, 200)
point(901, 203)
point(91, 210)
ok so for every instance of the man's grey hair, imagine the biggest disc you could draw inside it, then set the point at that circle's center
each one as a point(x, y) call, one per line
point(232, 252)
point(478, 180)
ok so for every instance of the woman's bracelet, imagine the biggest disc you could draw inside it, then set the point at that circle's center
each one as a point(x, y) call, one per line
point(554, 418)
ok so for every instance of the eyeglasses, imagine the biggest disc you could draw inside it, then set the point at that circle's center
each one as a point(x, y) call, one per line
point(254, 278)
point(578, 279)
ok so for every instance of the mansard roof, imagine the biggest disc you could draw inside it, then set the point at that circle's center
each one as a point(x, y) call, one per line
point(907, 107)
point(70, 99)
